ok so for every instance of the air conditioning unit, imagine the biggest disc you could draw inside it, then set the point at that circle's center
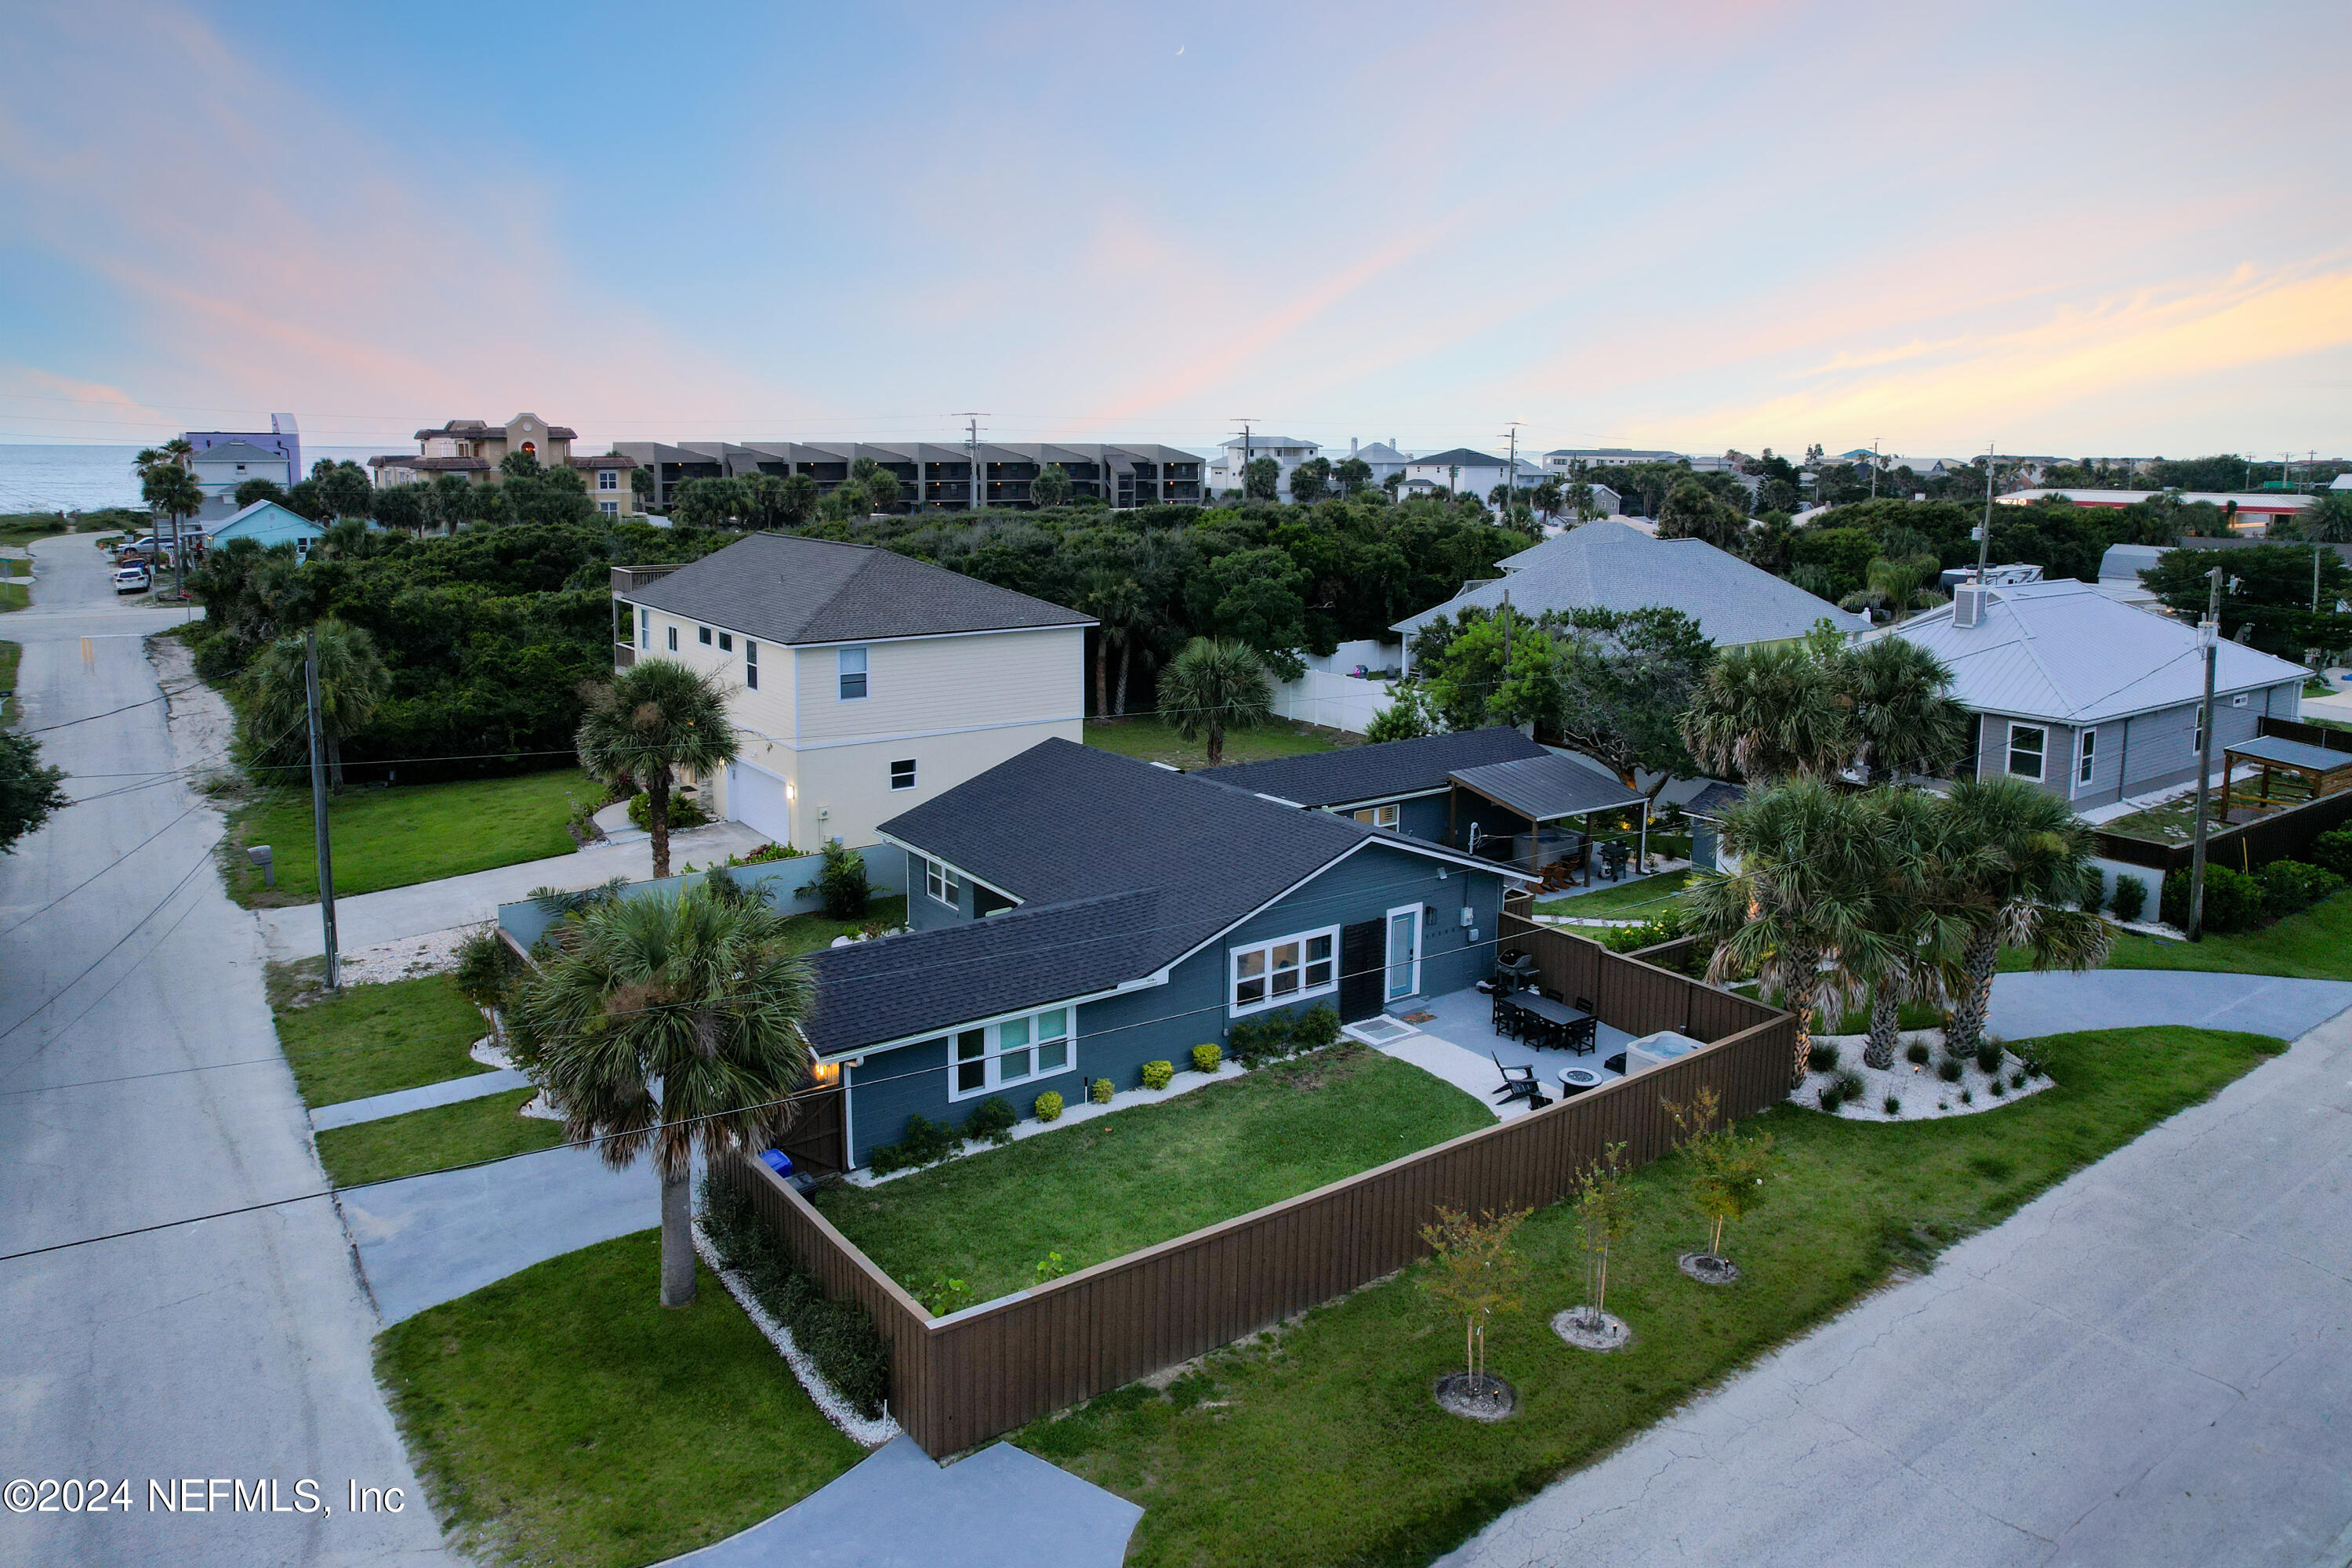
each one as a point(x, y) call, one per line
point(1967, 605)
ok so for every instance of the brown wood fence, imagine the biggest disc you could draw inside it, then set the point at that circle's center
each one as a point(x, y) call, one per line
point(961, 1380)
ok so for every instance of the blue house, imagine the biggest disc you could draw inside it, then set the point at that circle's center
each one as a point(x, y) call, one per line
point(267, 523)
point(1077, 914)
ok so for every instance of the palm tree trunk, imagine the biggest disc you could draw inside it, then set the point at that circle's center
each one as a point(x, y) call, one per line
point(1975, 999)
point(1878, 1051)
point(677, 1238)
point(657, 821)
point(1216, 743)
point(1102, 676)
point(1126, 648)
point(334, 761)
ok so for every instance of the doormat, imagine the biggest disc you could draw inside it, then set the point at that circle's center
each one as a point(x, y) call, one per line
point(1380, 1030)
point(1422, 1018)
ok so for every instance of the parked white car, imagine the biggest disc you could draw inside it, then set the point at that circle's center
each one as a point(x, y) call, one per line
point(132, 580)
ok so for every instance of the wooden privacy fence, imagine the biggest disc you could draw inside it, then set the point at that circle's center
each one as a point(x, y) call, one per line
point(2280, 836)
point(961, 1380)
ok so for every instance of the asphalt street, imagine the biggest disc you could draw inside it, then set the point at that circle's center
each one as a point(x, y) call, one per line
point(140, 1084)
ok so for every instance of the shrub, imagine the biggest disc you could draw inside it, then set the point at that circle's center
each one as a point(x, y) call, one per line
point(2094, 891)
point(1316, 1028)
point(2017, 1078)
point(1260, 1039)
point(1850, 1085)
point(2292, 885)
point(1892, 1106)
point(1100, 1091)
point(685, 811)
point(1917, 1053)
point(1830, 1099)
point(1998, 1088)
point(2131, 898)
point(1948, 1069)
point(1206, 1058)
point(2233, 901)
point(763, 854)
point(2030, 1053)
point(1821, 1056)
point(945, 1295)
point(1051, 1267)
point(1049, 1106)
point(2332, 851)
point(841, 882)
point(838, 1336)
point(486, 967)
point(1989, 1056)
point(925, 1142)
point(993, 1119)
point(1159, 1075)
point(1967, 1097)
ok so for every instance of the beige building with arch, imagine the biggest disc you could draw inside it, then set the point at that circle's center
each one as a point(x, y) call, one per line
point(474, 448)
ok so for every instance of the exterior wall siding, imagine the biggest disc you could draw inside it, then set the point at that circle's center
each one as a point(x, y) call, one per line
point(2140, 753)
point(927, 685)
point(1117, 1035)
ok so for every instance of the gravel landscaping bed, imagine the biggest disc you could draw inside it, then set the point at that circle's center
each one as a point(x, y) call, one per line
point(1922, 1094)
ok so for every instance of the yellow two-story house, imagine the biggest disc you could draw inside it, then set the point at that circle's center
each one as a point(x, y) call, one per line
point(861, 683)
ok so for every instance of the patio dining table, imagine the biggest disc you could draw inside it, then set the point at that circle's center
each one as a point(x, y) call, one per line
point(1543, 1006)
point(1560, 1022)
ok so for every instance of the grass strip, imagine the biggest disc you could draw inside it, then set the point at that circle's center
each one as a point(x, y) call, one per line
point(1329, 1429)
point(402, 834)
point(1107, 1187)
point(1148, 737)
point(420, 1140)
point(371, 1039)
point(562, 1415)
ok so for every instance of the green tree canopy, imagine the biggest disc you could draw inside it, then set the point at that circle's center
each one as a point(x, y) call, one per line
point(352, 684)
point(2267, 591)
point(1051, 487)
point(29, 789)
point(1262, 480)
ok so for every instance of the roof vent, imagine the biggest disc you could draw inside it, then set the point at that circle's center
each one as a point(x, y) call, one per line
point(1967, 605)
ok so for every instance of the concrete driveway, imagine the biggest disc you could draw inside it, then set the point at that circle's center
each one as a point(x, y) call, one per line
point(2150, 1363)
point(2025, 1006)
point(238, 1346)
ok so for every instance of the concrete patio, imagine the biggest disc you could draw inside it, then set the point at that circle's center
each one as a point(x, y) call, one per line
point(1458, 1043)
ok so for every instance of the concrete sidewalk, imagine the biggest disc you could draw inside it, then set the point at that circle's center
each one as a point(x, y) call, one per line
point(371, 919)
point(2025, 1005)
point(401, 1102)
point(2149, 1363)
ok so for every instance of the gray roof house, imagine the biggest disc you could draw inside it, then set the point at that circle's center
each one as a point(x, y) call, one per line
point(1614, 566)
point(1158, 909)
point(2092, 700)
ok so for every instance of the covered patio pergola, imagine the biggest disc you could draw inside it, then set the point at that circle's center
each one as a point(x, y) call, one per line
point(2318, 771)
point(1546, 790)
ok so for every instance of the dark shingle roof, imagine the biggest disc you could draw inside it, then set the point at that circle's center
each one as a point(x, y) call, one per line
point(1542, 788)
point(784, 589)
point(1377, 772)
point(1715, 799)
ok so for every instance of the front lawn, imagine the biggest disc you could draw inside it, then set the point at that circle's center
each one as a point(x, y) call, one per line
point(562, 1415)
point(1320, 1444)
point(1147, 738)
point(1641, 901)
point(402, 835)
point(371, 1039)
point(1105, 1188)
point(808, 933)
point(2314, 944)
point(10, 653)
point(417, 1142)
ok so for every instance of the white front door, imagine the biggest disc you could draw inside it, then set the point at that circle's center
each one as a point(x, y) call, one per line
point(756, 798)
point(1404, 952)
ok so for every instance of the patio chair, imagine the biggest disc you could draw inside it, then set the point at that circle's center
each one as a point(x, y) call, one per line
point(1519, 1083)
point(1580, 1034)
point(1584, 1004)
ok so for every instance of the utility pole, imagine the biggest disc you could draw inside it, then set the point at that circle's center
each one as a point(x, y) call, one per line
point(1873, 466)
point(971, 448)
point(1511, 474)
point(1506, 675)
point(2209, 632)
point(319, 809)
point(1247, 451)
point(1984, 534)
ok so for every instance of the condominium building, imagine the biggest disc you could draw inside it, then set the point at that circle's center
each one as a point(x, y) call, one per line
point(473, 450)
point(933, 476)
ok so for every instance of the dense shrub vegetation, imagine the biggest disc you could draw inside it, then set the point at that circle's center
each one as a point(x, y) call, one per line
point(838, 1336)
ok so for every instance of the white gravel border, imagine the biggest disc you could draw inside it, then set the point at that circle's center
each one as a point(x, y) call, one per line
point(1924, 1097)
point(865, 1434)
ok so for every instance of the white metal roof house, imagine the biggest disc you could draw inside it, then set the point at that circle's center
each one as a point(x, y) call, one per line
point(1234, 459)
point(1613, 565)
point(2092, 700)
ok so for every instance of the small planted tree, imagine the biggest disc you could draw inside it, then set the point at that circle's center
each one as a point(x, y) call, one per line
point(1728, 1174)
point(842, 883)
point(1475, 1272)
point(1215, 687)
point(1605, 1217)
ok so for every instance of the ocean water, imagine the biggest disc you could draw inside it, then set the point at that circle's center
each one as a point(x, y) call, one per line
point(79, 479)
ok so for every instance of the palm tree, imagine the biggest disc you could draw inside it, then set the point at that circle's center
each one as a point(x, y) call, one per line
point(650, 724)
point(1802, 913)
point(1117, 603)
point(1771, 712)
point(1212, 687)
point(1906, 719)
point(352, 684)
point(171, 490)
point(668, 1025)
point(2029, 862)
point(1923, 910)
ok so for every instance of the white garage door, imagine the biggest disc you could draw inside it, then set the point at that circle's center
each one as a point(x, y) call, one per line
point(755, 798)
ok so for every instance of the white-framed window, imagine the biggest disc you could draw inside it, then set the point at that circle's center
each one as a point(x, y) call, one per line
point(751, 664)
point(702, 634)
point(673, 639)
point(609, 508)
point(852, 664)
point(608, 479)
point(645, 627)
point(2197, 732)
point(1287, 969)
point(2086, 758)
point(1011, 1051)
point(2026, 745)
point(941, 884)
point(1380, 815)
point(726, 642)
point(902, 773)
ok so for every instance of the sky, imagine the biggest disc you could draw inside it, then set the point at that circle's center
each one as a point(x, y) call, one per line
point(2071, 228)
